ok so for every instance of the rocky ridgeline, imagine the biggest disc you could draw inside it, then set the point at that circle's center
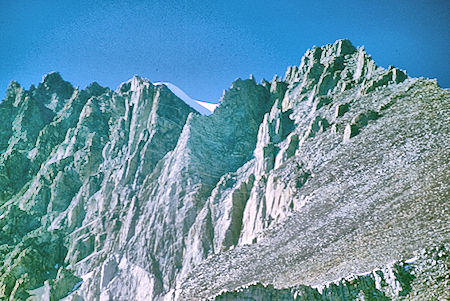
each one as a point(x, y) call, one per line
point(338, 168)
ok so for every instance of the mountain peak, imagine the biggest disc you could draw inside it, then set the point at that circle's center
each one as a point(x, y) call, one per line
point(95, 89)
point(52, 78)
point(344, 47)
point(202, 107)
point(14, 85)
point(336, 170)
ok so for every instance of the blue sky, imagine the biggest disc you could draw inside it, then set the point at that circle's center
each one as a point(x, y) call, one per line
point(202, 46)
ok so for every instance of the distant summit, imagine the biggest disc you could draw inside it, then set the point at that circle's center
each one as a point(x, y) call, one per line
point(204, 108)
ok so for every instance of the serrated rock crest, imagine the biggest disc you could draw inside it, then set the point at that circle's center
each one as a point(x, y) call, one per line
point(339, 167)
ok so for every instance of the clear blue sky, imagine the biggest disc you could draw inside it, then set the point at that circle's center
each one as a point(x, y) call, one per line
point(202, 46)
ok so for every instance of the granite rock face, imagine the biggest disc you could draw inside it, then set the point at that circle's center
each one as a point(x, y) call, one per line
point(338, 169)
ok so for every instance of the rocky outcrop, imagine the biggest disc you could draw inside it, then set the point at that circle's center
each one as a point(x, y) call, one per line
point(404, 280)
point(337, 169)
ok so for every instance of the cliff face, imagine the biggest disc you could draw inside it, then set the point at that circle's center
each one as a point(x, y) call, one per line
point(339, 168)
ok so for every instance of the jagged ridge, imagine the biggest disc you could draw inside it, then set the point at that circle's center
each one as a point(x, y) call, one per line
point(146, 199)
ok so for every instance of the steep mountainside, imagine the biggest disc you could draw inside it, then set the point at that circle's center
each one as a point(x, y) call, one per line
point(340, 168)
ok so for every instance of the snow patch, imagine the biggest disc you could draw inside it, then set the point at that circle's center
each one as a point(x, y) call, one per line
point(364, 274)
point(411, 260)
point(32, 153)
point(41, 293)
point(77, 285)
point(85, 277)
point(204, 108)
point(210, 106)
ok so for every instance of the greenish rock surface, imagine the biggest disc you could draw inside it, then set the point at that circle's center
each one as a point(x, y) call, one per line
point(338, 169)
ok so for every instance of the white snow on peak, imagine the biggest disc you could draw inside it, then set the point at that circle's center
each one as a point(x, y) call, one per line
point(204, 108)
point(210, 106)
